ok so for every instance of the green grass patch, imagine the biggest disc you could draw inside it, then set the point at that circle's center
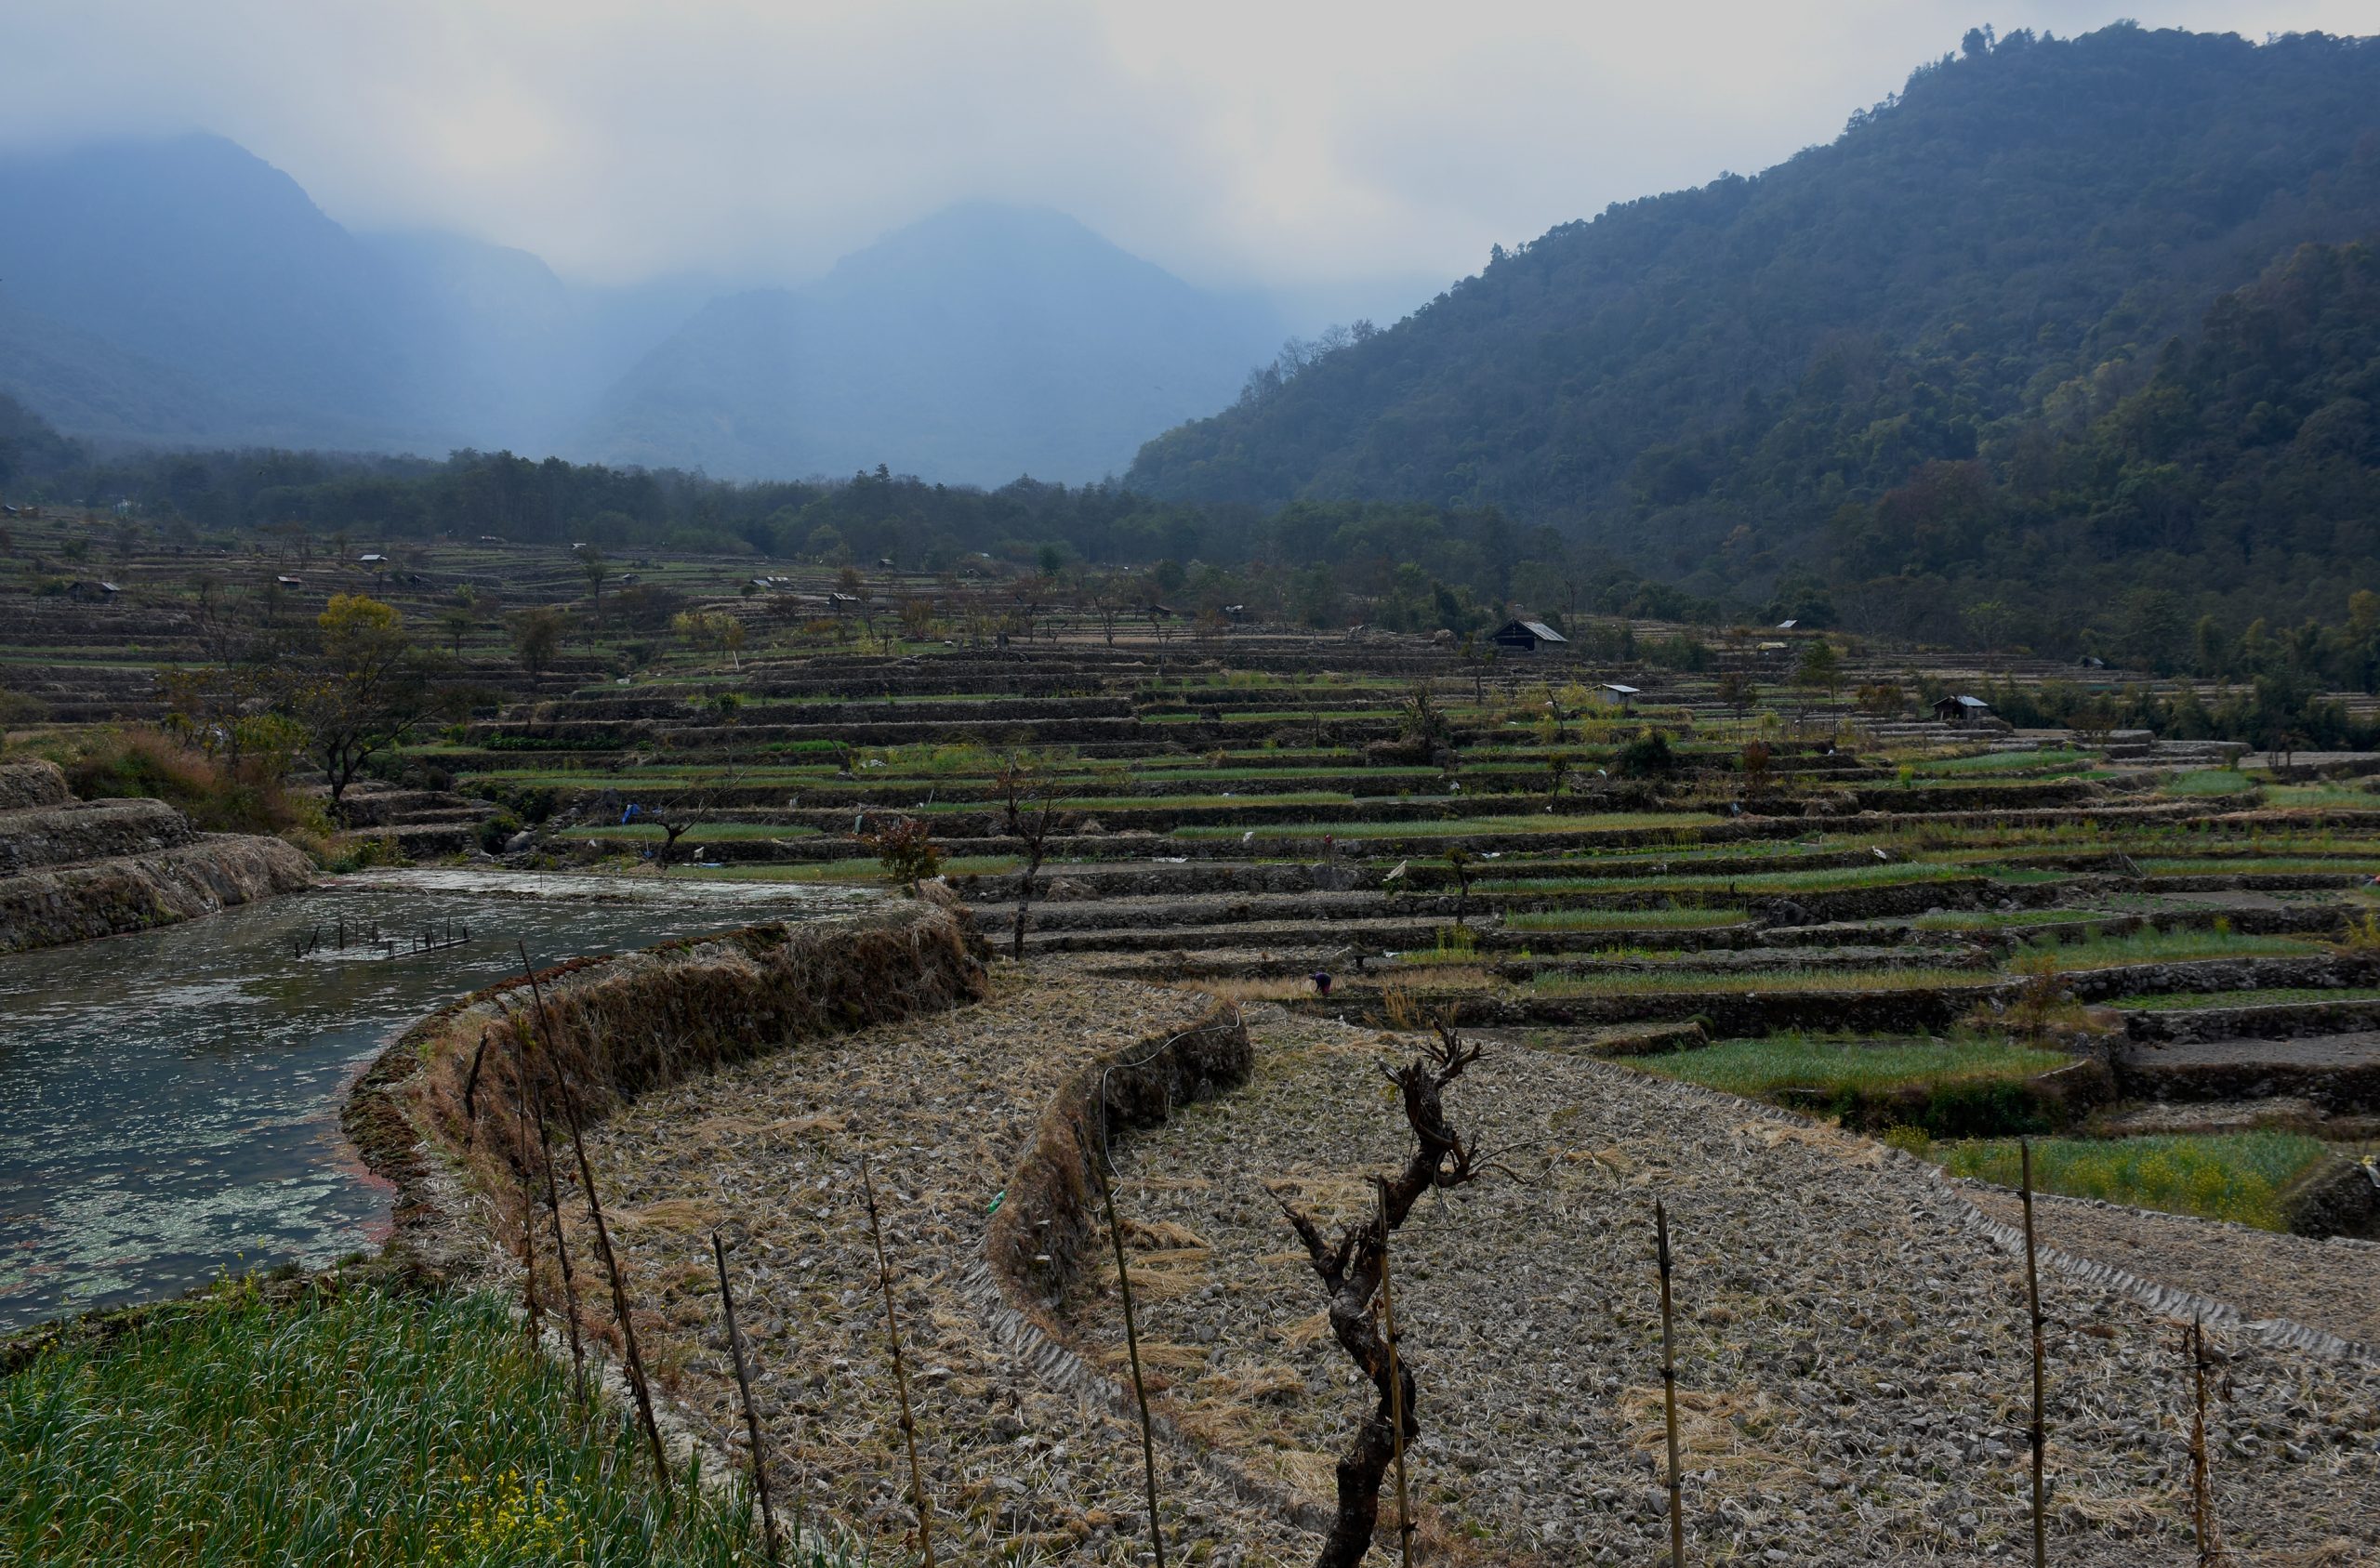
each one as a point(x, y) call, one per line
point(2151, 946)
point(1285, 800)
point(2235, 1176)
point(1520, 822)
point(2252, 865)
point(364, 1429)
point(2335, 796)
point(2003, 761)
point(1735, 982)
point(1761, 1067)
point(707, 833)
point(1821, 880)
point(858, 869)
point(2276, 996)
point(1621, 920)
point(1994, 919)
point(2208, 781)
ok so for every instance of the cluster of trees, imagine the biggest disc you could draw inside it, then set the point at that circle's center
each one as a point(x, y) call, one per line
point(2240, 480)
point(2280, 712)
point(333, 692)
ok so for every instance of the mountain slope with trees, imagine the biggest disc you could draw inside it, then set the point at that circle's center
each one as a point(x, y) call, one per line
point(1702, 383)
point(2243, 477)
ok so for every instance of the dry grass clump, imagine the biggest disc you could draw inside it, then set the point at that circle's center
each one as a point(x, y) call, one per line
point(219, 795)
point(1245, 990)
point(623, 1026)
point(1721, 1429)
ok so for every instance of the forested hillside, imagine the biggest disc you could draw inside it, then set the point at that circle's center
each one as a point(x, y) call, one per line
point(2247, 468)
point(1779, 388)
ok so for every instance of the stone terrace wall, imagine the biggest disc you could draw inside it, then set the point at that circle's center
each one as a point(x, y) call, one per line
point(71, 870)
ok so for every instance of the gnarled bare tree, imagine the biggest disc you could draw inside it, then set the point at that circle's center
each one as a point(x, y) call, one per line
point(1351, 1268)
point(1030, 809)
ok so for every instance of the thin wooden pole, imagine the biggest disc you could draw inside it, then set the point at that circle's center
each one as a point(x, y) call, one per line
point(2210, 1547)
point(1668, 1385)
point(752, 1415)
point(637, 1384)
point(1132, 1348)
point(2038, 1433)
point(1396, 1391)
point(562, 1246)
point(900, 1368)
point(532, 1319)
point(472, 1090)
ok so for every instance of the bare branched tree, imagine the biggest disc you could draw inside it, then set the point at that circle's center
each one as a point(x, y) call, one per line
point(1029, 803)
point(688, 810)
point(1350, 1269)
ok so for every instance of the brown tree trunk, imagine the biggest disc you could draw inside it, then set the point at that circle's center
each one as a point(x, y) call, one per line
point(1364, 1464)
point(1350, 1269)
point(1025, 899)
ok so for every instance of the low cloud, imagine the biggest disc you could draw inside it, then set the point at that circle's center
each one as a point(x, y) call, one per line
point(1278, 144)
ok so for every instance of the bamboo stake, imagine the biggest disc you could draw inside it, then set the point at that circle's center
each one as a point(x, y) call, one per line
point(1395, 1393)
point(751, 1416)
point(2038, 1433)
point(1668, 1385)
point(900, 1368)
point(637, 1384)
point(562, 1246)
point(1132, 1347)
point(532, 1319)
point(2210, 1547)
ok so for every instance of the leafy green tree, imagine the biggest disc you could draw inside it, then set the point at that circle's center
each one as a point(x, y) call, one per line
point(711, 631)
point(366, 694)
point(1819, 667)
point(597, 568)
point(537, 632)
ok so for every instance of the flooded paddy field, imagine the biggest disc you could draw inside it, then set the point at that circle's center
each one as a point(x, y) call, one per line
point(169, 1099)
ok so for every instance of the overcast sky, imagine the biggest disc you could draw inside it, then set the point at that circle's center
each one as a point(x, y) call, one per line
point(1314, 147)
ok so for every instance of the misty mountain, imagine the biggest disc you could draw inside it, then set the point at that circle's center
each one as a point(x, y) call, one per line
point(184, 292)
point(508, 355)
point(981, 343)
point(1718, 384)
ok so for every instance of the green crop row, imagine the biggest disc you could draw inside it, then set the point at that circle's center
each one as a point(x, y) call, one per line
point(363, 1427)
point(2234, 1176)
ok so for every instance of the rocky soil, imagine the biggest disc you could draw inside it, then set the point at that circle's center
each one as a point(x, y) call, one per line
point(1852, 1347)
point(2330, 1285)
point(1851, 1339)
point(1027, 1453)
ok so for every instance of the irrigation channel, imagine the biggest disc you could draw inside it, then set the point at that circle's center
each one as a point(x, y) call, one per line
point(169, 1099)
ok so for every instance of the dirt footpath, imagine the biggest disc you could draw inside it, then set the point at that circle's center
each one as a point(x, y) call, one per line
point(1852, 1348)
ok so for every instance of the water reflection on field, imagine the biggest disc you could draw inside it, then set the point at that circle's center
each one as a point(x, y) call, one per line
point(169, 1099)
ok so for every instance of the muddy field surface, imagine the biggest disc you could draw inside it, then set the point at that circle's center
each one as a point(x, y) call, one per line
point(2332, 1285)
point(1852, 1349)
point(1020, 1465)
point(2360, 1049)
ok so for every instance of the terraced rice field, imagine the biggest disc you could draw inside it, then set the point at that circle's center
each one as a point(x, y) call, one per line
point(1656, 914)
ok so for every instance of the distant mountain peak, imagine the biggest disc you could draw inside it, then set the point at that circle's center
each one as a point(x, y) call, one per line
point(980, 340)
